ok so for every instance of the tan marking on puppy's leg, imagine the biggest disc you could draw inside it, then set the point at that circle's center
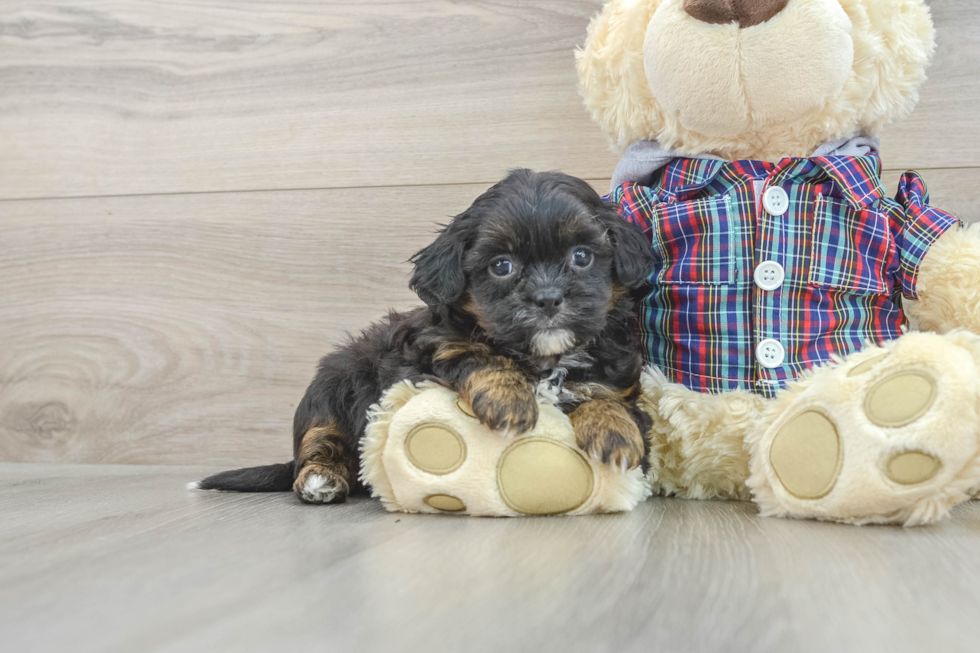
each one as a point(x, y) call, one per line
point(605, 430)
point(497, 391)
point(600, 391)
point(324, 472)
point(501, 398)
point(461, 349)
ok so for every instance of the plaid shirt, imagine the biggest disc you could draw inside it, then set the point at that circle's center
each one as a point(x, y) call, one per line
point(846, 253)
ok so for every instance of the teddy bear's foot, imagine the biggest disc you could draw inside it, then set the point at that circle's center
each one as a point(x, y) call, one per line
point(891, 435)
point(426, 451)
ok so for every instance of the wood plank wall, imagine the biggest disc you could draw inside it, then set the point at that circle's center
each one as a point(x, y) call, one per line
point(198, 198)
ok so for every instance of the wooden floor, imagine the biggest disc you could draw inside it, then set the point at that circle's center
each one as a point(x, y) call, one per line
point(122, 558)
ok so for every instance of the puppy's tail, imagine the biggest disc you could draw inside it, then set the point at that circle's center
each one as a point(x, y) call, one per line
point(266, 478)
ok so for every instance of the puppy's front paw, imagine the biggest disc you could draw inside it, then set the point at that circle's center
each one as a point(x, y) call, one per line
point(319, 484)
point(605, 430)
point(502, 400)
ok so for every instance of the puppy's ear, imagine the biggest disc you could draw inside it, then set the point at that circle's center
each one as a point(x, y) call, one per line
point(438, 278)
point(632, 260)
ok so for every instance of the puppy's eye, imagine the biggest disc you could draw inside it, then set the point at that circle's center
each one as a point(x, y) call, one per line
point(581, 258)
point(502, 267)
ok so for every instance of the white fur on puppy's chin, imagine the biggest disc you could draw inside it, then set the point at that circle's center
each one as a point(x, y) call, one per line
point(552, 342)
point(892, 45)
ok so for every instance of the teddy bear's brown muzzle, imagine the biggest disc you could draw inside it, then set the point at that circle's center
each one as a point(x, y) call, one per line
point(744, 12)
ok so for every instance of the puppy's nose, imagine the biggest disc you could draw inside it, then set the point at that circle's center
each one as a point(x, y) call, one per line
point(744, 12)
point(549, 300)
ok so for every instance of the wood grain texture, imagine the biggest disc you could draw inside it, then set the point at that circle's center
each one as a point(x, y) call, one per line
point(107, 559)
point(183, 329)
point(146, 97)
point(108, 98)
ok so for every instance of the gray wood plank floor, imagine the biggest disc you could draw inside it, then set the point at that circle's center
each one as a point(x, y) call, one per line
point(122, 558)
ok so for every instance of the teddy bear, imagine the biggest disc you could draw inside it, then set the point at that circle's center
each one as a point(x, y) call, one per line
point(781, 366)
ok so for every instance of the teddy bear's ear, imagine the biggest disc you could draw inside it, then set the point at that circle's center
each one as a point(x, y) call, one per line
point(612, 79)
point(438, 278)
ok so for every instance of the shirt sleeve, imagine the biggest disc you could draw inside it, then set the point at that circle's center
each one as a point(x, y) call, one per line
point(920, 226)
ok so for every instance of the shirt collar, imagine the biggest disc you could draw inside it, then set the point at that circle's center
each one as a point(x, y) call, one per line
point(857, 179)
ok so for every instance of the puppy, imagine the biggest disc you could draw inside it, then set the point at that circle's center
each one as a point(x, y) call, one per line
point(526, 290)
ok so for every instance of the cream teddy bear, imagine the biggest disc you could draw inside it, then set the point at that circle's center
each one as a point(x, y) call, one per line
point(776, 322)
point(775, 327)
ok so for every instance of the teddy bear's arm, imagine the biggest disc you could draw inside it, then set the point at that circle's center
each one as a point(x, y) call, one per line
point(940, 262)
point(949, 283)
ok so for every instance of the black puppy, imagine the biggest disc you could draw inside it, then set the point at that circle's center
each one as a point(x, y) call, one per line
point(528, 286)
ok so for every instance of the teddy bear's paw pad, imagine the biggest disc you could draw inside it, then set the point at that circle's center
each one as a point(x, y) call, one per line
point(435, 449)
point(539, 476)
point(806, 455)
point(900, 399)
point(465, 408)
point(912, 467)
point(866, 366)
point(444, 502)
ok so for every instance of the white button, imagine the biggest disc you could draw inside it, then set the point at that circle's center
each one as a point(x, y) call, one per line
point(770, 353)
point(776, 200)
point(769, 275)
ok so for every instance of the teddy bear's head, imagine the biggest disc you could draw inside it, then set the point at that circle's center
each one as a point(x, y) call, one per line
point(759, 79)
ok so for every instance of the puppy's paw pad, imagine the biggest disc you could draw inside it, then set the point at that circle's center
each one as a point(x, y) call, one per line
point(806, 455)
point(901, 398)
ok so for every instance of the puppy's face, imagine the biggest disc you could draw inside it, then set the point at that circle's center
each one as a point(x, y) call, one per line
point(540, 272)
point(538, 260)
